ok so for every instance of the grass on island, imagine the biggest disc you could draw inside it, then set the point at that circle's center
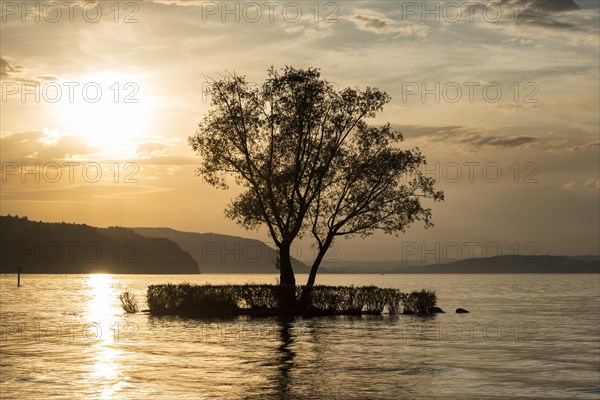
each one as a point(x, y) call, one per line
point(251, 299)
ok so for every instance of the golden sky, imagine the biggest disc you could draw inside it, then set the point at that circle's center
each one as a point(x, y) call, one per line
point(98, 99)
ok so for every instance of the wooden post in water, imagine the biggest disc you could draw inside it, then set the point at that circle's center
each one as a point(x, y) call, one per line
point(19, 270)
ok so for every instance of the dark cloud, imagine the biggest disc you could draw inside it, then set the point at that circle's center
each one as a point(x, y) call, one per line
point(542, 13)
point(544, 5)
point(497, 141)
point(372, 22)
point(434, 132)
point(466, 136)
point(475, 140)
point(546, 22)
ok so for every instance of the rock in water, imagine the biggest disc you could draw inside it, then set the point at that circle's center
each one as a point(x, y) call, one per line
point(435, 310)
point(461, 311)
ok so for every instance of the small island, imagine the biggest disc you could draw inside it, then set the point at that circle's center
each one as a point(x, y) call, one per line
point(308, 165)
point(270, 300)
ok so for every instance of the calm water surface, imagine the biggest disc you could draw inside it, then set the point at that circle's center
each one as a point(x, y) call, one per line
point(527, 336)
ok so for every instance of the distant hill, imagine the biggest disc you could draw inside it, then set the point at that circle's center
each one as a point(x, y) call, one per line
point(514, 265)
point(586, 258)
point(508, 264)
point(61, 248)
point(223, 254)
point(42, 247)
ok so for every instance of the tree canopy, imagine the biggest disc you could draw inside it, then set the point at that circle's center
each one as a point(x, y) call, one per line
point(308, 161)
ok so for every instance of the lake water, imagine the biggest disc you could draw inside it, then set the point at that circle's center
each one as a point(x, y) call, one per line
point(527, 336)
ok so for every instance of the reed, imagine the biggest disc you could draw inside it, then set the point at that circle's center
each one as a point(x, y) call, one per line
point(129, 302)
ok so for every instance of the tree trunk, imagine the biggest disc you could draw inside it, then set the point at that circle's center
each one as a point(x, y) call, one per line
point(287, 281)
point(286, 273)
point(313, 271)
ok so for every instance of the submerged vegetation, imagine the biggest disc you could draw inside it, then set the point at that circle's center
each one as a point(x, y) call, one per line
point(250, 299)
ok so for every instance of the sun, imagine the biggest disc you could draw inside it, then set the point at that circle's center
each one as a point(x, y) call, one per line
point(109, 110)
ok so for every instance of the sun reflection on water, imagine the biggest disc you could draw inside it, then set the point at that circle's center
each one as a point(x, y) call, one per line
point(101, 314)
point(101, 304)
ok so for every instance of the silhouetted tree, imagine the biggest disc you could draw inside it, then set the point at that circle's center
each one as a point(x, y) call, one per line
point(289, 142)
point(375, 185)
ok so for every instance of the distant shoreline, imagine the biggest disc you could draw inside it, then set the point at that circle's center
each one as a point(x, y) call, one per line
point(61, 248)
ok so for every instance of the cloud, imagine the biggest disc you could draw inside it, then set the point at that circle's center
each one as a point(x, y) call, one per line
point(8, 70)
point(466, 136)
point(476, 139)
point(523, 41)
point(547, 14)
point(587, 146)
point(47, 77)
point(187, 3)
point(542, 5)
point(169, 160)
point(565, 17)
point(43, 146)
point(588, 187)
point(498, 141)
point(70, 146)
point(148, 148)
point(372, 23)
point(376, 22)
point(7, 67)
